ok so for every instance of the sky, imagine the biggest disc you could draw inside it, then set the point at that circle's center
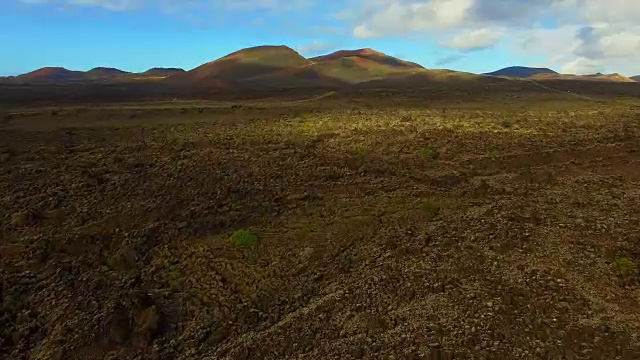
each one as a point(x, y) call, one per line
point(569, 36)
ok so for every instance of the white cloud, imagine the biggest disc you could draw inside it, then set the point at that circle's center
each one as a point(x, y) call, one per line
point(116, 5)
point(315, 48)
point(397, 17)
point(475, 39)
point(582, 66)
point(573, 35)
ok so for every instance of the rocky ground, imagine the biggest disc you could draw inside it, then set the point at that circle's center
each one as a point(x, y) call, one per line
point(462, 232)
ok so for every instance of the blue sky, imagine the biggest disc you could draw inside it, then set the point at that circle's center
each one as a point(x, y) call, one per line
point(466, 35)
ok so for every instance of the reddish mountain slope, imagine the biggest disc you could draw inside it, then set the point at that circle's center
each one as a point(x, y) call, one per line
point(105, 72)
point(368, 54)
point(50, 74)
point(243, 64)
point(347, 69)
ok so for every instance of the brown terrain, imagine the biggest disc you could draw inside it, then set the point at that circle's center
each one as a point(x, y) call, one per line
point(427, 214)
point(50, 74)
point(593, 77)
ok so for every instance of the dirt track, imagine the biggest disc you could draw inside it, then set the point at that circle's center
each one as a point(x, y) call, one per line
point(404, 233)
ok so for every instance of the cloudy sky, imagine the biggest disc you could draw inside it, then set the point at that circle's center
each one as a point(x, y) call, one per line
point(570, 36)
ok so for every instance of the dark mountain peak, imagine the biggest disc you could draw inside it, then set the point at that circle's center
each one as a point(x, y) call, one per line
point(521, 71)
point(163, 71)
point(349, 53)
point(105, 71)
point(109, 69)
point(263, 50)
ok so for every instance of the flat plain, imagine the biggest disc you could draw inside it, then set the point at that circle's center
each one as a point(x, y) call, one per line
point(363, 225)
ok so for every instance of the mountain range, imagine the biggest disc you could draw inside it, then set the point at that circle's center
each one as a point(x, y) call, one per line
point(281, 66)
point(548, 74)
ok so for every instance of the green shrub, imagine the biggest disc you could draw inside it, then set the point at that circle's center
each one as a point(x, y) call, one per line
point(309, 228)
point(626, 266)
point(243, 238)
point(360, 150)
point(124, 260)
point(429, 153)
point(431, 209)
point(175, 278)
point(496, 150)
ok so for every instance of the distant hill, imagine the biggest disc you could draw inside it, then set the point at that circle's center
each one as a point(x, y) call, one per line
point(635, 78)
point(241, 65)
point(280, 66)
point(50, 74)
point(336, 72)
point(355, 69)
point(101, 74)
point(615, 77)
point(105, 72)
point(610, 77)
point(158, 71)
point(548, 74)
point(428, 76)
point(521, 71)
point(368, 54)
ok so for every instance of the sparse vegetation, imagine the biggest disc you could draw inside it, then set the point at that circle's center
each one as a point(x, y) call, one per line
point(429, 153)
point(626, 266)
point(506, 123)
point(124, 260)
point(309, 228)
point(243, 238)
point(175, 278)
point(496, 150)
point(431, 209)
point(461, 252)
point(360, 150)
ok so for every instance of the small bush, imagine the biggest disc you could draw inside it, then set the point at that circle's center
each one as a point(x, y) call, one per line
point(309, 228)
point(124, 260)
point(175, 278)
point(431, 209)
point(430, 154)
point(496, 150)
point(360, 150)
point(507, 124)
point(407, 118)
point(626, 266)
point(243, 238)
